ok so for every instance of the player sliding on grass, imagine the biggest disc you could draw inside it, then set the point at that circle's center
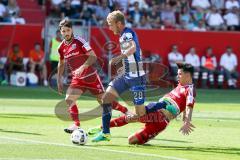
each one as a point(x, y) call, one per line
point(133, 78)
point(79, 57)
point(159, 114)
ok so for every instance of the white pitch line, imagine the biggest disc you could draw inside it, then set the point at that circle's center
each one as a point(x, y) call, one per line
point(94, 148)
point(28, 159)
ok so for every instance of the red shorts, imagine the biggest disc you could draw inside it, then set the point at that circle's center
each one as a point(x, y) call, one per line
point(92, 83)
point(152, 129)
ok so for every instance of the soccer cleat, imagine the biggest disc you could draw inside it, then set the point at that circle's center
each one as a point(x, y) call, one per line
point(4, 83)
point(71, 128)
point(102, 137)
point(93, 131)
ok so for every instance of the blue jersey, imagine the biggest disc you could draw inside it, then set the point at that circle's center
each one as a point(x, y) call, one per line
point(132, 64)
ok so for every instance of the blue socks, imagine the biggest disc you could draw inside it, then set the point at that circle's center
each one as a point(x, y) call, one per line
point(106, 117)
point(154, 106)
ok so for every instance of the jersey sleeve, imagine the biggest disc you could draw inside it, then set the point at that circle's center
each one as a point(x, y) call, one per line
point(86, 47)
point(128, 36)
point(84, 44)
point(190, 96)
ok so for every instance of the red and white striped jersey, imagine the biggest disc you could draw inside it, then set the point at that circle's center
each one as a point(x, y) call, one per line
point(183, 96)
point(75, 54)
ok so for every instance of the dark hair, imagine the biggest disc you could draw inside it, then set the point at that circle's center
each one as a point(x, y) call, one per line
point(229, 47)
point(65, 23)
point(186, 67)
point(209, 47)
point(37, 43)
point(15, 45)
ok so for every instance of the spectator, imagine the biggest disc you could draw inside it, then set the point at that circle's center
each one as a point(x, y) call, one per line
point(69, 11)
point(186, 25)
point(173, 57)
point(56, 7)
point(204, 4)
point(186, 21)
point(15, 60)
point(4, 2)
point(228, 65)
point(144, 23)
point(214, 19)
point(14, 13)
point(102, 11)
point(76, 4)
point(13, 8)
point(142, 4)
point(123, 5)
point(57, 3)
point(201, 27)
point(198, 15)
point(232, 19)
point(209, 65)
point(168, 17)
point(194, 60)
point(3, 13)
point(219, 4)
point(185, 15)
point(183, 4)
point(53, 53)
point(87, 13)
point(232, 3)
point(36, 57)
point(172, 3)
point(154, 16)
point(129, 21)
point(136, 14)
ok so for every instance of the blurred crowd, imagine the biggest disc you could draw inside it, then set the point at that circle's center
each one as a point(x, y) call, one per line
point(10, 12)
point(196, 15)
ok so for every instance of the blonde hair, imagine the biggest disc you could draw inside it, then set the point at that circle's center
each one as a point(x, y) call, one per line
point(116, 16)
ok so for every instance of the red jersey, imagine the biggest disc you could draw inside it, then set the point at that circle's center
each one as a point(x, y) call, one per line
point(75, 55)
point(182, 96)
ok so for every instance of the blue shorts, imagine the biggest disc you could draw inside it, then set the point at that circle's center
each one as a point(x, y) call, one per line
point(123, 84)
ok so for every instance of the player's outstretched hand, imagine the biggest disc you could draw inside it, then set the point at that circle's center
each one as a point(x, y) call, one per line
point(78, 72)
point(187, 128)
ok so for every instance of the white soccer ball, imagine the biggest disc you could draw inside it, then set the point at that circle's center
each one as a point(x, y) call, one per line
point(79, 136)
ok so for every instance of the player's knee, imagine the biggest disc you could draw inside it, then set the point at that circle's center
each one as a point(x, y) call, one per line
point(69, 100)
point(133, 140)
point(107, 98)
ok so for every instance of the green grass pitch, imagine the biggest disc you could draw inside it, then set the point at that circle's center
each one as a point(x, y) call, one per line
point(29, 130)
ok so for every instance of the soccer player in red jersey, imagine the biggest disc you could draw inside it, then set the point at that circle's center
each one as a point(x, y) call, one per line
point(159, 114)
point(79, 57)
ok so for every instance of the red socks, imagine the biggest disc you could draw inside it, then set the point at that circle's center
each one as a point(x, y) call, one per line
point(118, 122)
point(119, 107)
point(73, 110)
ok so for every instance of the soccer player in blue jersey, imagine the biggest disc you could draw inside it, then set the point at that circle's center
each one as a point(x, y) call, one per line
point(134, 77)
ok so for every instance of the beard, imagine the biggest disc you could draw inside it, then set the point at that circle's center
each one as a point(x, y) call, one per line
point(68, 38)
